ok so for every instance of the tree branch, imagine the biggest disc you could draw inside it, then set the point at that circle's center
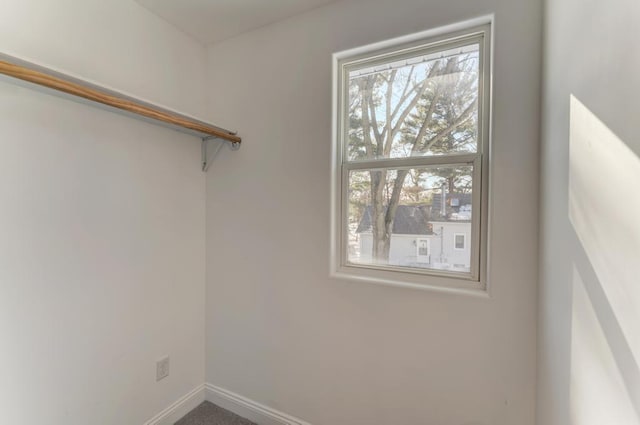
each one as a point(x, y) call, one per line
point(458, 121)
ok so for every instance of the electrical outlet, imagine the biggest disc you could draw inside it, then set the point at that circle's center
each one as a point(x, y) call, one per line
point(162, 368)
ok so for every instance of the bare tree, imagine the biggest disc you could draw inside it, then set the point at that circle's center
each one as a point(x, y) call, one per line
point(419, 109)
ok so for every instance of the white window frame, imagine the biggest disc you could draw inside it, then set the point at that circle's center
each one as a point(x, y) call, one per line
point(464, 241)
point(474, 282)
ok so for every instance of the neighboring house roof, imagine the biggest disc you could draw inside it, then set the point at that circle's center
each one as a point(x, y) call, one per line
point(409, 220)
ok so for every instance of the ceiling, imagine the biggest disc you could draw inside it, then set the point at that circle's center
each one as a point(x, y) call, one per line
point(210, 21)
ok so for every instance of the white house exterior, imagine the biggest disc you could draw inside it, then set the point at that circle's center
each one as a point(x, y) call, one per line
point(438, 250)
point(417, 241)
point(451, 245)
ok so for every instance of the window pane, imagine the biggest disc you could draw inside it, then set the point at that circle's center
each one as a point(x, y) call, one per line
point(422, 105)
point(409, 217)
point(459, 241)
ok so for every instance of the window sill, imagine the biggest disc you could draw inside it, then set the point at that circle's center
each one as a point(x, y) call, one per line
point(450, 285)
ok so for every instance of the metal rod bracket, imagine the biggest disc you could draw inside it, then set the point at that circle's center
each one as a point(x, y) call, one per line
point(208, 157)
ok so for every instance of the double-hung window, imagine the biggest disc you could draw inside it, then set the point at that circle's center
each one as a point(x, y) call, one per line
point(411, 160)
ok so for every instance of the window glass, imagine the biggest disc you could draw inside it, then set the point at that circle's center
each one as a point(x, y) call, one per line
point(427, 204)
point(422, 105)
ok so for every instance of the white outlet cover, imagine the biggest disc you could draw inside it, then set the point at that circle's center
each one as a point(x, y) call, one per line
point(162, 368)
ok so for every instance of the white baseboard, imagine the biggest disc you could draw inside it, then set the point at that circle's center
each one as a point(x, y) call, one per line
point(242, 406)
point(181, 407)
point(249, 409)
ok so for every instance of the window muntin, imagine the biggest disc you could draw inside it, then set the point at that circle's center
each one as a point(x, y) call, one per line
point(399, 86)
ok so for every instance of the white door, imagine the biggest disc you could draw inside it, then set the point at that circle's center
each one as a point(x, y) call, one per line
point(423, 250)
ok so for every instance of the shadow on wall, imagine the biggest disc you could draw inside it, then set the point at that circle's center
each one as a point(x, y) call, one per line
point(604, 211)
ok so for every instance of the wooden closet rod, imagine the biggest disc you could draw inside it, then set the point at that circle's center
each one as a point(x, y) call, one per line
point(56, 81)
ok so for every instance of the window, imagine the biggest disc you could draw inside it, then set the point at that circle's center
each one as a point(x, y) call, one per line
point(411, 160)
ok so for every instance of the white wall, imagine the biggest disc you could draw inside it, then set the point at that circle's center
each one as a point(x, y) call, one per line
point(279, 331)
point(101, 221)
point(115, 43)
point(589, 333)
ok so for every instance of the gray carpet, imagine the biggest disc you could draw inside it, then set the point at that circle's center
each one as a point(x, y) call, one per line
point(210, 414)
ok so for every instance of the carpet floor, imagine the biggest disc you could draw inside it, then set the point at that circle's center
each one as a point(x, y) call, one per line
point(209, 414)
